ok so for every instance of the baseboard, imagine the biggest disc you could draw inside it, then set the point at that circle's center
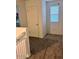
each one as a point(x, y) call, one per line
point(35, 37)
point(55, 34)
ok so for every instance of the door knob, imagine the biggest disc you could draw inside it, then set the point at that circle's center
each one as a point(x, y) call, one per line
point(37, 24)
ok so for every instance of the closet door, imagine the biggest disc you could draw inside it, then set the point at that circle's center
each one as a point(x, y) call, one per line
point(32, 20)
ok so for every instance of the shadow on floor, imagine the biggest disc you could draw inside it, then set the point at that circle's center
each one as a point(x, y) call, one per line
point(37, 44)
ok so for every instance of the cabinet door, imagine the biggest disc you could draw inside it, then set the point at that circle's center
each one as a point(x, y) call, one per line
point(32, 20)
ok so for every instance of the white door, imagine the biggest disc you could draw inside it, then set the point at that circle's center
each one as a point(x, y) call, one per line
point(32, 21)
point(53, 18)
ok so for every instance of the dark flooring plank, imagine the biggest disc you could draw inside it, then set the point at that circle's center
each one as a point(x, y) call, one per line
point(39, 55)
point(49, 53)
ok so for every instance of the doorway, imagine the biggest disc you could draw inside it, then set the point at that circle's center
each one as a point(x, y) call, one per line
point(54, 18)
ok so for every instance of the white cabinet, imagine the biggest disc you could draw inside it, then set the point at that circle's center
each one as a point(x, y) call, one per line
point(22, 43)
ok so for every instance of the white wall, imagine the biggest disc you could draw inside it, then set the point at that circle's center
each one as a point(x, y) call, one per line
point(17, 9)
point(44, 17)
point(22, 12)
point(55, 28)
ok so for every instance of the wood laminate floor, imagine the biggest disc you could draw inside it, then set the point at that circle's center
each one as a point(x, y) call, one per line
point(50, 47)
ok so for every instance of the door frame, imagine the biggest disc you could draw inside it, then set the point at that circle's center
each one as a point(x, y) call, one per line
point(49, 24)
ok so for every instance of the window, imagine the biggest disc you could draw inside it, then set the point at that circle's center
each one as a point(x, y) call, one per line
point(54, 12)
